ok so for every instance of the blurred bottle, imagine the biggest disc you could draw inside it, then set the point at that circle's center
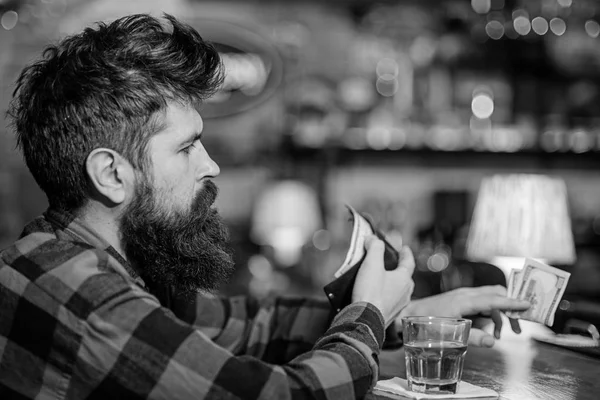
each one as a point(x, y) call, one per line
point(580, 140)
point(553, 136)
point(581, 137)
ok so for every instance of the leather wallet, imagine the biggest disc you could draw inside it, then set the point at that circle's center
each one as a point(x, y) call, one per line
point(339, 291)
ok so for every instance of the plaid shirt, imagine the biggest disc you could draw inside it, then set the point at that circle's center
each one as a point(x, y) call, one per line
point(76, 322)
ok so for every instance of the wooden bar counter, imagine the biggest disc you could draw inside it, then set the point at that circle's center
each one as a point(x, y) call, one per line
point(518, 369)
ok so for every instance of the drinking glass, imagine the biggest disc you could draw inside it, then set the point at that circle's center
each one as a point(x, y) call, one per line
point(435, 349)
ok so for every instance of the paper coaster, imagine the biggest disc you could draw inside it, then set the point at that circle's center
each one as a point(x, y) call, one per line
point(466, 390)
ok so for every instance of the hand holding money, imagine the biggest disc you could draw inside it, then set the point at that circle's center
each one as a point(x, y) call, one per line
point(391, 282)
point(361, 229)
point(542, 286)
point(339, 291)
point(389, 291)
point(470, 302)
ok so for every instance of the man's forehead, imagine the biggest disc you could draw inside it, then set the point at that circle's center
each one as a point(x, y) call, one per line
point(179, 122)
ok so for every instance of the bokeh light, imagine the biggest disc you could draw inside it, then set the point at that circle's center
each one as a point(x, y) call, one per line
point(482, 105)
point(481, 6)
point(494, 29)
point(322, 239)
point(565, 3)
point(481, 126)
point(379, 137)
point(387, 85)
point(592, 28)
point(539, 25)
point(260, 267)
point(522, 25)
point(558, 26)
point(9, 20)
point(387, 68)
point(438, 262)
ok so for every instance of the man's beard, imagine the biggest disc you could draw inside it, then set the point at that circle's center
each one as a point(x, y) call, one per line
point(186, 251)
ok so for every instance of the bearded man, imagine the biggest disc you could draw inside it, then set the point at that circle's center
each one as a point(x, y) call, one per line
point(111, 293)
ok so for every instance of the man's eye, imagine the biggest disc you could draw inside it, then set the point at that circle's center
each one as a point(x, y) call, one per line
point(188, 149)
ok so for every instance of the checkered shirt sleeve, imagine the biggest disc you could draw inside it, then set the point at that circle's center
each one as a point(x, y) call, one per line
point(72, 328)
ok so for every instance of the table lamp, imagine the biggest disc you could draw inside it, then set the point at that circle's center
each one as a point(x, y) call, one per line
point(520, 216)
point(285, 217)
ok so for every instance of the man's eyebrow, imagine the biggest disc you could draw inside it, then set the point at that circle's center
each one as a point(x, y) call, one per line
point(193, 138)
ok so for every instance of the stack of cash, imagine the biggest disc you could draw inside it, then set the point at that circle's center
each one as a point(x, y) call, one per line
point(542, 286)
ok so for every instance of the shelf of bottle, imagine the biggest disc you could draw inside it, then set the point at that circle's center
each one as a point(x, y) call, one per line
point(524, 159)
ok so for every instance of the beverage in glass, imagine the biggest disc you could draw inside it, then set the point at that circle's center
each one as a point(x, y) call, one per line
point(435, 349)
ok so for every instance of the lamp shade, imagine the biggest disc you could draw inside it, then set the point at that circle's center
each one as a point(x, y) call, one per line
point(521, 215)
point(285, 217)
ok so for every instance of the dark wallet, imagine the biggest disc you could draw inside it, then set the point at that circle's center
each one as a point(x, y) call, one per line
point(339, 291)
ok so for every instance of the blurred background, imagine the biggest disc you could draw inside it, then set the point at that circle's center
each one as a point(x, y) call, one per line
point(398, 108)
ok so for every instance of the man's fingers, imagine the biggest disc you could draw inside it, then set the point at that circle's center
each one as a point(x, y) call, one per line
point(375, 249)
point(407, 260)
point(406, 267)
point(497, 318)
point(491, 290)
point(514, 324)
point(372, 240)
point(479, 338)
point(485, 305)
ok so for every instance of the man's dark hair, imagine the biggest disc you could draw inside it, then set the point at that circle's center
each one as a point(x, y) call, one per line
point(105, 87)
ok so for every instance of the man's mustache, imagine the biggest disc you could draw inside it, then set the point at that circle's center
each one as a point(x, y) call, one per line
point(204, 199)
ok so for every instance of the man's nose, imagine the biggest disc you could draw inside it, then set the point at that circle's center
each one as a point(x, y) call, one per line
point(212, 169)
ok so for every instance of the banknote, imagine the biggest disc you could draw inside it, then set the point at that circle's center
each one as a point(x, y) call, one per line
point(514, 280)
point(510, 283)
point(542, 286)
point(362, 228)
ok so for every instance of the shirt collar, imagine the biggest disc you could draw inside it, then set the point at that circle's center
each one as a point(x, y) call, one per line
point(78, 230)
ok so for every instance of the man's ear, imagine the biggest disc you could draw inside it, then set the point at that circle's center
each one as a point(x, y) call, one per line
point(110, 174)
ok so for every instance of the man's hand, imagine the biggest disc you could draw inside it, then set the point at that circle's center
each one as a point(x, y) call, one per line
point(390, 291)
point(464, 302)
